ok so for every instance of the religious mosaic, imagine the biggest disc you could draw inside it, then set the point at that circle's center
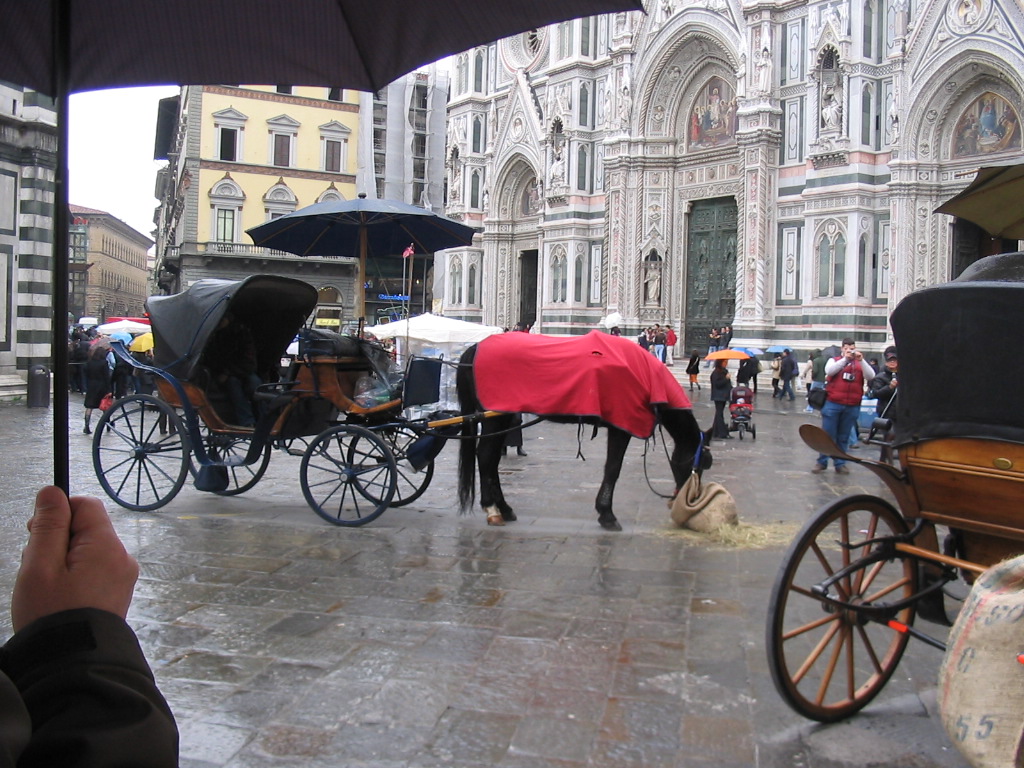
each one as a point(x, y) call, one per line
point(713, 120)
point(990, 124)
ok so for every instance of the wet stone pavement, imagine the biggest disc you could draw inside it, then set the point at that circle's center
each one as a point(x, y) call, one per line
point(427, 639)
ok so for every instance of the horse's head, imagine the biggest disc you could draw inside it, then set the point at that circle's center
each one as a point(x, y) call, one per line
point(689, 441)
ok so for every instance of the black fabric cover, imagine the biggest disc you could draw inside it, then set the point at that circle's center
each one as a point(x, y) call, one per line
point(273, 307)
point(957, 351)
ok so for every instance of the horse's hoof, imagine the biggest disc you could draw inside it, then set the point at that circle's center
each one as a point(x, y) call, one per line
point(509, 516)
point(610, 524)
point(495, 520)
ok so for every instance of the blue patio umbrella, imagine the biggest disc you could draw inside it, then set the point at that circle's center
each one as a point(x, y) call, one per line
point(752, 351)
point(776, 348)
point(360, 228)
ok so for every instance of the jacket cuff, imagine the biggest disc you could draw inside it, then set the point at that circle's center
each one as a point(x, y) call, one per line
point(78, 636)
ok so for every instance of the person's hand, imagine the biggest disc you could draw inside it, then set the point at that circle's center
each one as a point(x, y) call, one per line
point(73, 559)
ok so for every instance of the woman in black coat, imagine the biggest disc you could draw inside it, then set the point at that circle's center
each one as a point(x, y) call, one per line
point(98, 368)
point(721, 388)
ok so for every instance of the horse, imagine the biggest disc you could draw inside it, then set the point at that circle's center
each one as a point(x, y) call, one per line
point(597, 365)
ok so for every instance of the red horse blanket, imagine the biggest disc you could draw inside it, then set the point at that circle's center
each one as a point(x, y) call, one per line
point(593, 375)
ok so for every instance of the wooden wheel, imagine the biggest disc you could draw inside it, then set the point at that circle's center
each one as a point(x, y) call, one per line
point(140, 452)
point(828, 662)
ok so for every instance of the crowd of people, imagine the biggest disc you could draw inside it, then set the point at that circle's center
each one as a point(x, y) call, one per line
point(659, 340)
point(97, 372)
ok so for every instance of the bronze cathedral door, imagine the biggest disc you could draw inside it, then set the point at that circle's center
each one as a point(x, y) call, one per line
point(710, 271)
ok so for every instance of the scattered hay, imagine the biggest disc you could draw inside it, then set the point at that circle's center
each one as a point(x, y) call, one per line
point(742, 535)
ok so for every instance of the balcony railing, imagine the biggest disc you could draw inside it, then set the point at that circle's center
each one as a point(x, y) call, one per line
point(248, 251)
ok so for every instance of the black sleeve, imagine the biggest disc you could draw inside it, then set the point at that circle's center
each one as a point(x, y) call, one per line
point(90, 693)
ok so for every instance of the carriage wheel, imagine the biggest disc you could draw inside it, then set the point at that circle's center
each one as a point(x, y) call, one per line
point(140, 451)
point(826, 662)
point(221, 447)
point(410, 483)
point(348, 475)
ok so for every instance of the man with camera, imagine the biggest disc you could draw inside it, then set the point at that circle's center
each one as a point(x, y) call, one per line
point(845, 376)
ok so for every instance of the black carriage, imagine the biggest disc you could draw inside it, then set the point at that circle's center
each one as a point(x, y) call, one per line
point(354, 449)
point(863, 568)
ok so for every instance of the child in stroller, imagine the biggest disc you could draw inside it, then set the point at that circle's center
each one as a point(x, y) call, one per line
point(741, 411)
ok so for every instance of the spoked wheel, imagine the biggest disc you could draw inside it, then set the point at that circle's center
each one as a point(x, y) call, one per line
point(140, 451)
point(410, 483)
point(221, 447)
point(348, 475)
point(828, 662)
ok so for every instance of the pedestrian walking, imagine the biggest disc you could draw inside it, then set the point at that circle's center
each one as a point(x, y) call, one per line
point(693, 369)
point(721, 388)
point(776, 367)
point(99, 368)
point(788, 371)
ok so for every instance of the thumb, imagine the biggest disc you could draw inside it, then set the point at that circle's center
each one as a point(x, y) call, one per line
point(49, 530)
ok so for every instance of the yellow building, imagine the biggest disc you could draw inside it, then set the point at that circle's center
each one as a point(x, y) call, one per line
point(242, 155)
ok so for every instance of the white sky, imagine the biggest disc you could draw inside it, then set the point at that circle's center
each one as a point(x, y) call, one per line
point(110, 154)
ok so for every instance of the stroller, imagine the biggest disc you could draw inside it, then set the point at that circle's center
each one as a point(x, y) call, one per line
point(741, 411)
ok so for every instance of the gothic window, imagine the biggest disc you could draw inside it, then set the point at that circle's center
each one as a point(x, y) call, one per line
point(587, 37)
point(559, 277)
point(583, 168)
point(474, 190)
point(577, 279)
point(831, 265)
point(461, 77)
point(565, 39)
point(455, 281)
point(478, 135)
point(866, 116)
point(479, 71)
point(471, 286)
point(863, 268)
point(584, 104)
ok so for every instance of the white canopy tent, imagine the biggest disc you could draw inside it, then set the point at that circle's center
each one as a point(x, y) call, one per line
point(434, 336)
point(434, 329)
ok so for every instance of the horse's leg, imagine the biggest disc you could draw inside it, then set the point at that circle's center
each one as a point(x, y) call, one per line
point(488, 457)
point(618, 441)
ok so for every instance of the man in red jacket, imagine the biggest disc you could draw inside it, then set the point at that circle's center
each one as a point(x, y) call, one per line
point(844, 381)
point(670, 344)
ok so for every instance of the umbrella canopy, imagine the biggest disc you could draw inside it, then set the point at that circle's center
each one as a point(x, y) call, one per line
point(992, 201)
point(752, 351)
point(361, 227)
point(776, 348)
point(142, 343)
point(122, 326)
point(435, 329)
point(832, 351)
point(728, 354)
point(58, 46)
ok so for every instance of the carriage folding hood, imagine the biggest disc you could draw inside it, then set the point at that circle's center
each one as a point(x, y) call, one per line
point(954, 337)
point(273, 307)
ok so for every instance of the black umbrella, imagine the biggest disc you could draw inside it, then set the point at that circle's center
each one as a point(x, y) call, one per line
point(60, 46)
point(361, 228)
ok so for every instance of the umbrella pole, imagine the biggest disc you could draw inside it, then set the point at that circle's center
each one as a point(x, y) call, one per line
point(361, 288)
point(61, 47)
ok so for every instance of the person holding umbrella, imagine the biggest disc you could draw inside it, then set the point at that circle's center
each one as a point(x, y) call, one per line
point(721, 388)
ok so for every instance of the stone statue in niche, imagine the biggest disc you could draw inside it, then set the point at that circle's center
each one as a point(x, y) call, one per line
point(764, 71)
point(831, 110)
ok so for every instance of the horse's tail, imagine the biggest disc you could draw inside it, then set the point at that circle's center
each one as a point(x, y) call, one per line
point(465, 385)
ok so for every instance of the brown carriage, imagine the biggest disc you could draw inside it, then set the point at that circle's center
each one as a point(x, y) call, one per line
point(353, 446)
point(844, 603)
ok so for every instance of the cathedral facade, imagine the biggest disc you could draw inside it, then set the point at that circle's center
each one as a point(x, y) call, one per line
point(770, 165)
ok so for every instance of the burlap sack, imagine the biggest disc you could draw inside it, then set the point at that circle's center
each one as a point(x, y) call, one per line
point(703, 507)
point(981, 681)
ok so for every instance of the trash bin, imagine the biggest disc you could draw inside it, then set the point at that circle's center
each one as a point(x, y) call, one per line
point(38, 386)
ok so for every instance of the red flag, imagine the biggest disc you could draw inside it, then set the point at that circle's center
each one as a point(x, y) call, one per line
point(408, 252)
